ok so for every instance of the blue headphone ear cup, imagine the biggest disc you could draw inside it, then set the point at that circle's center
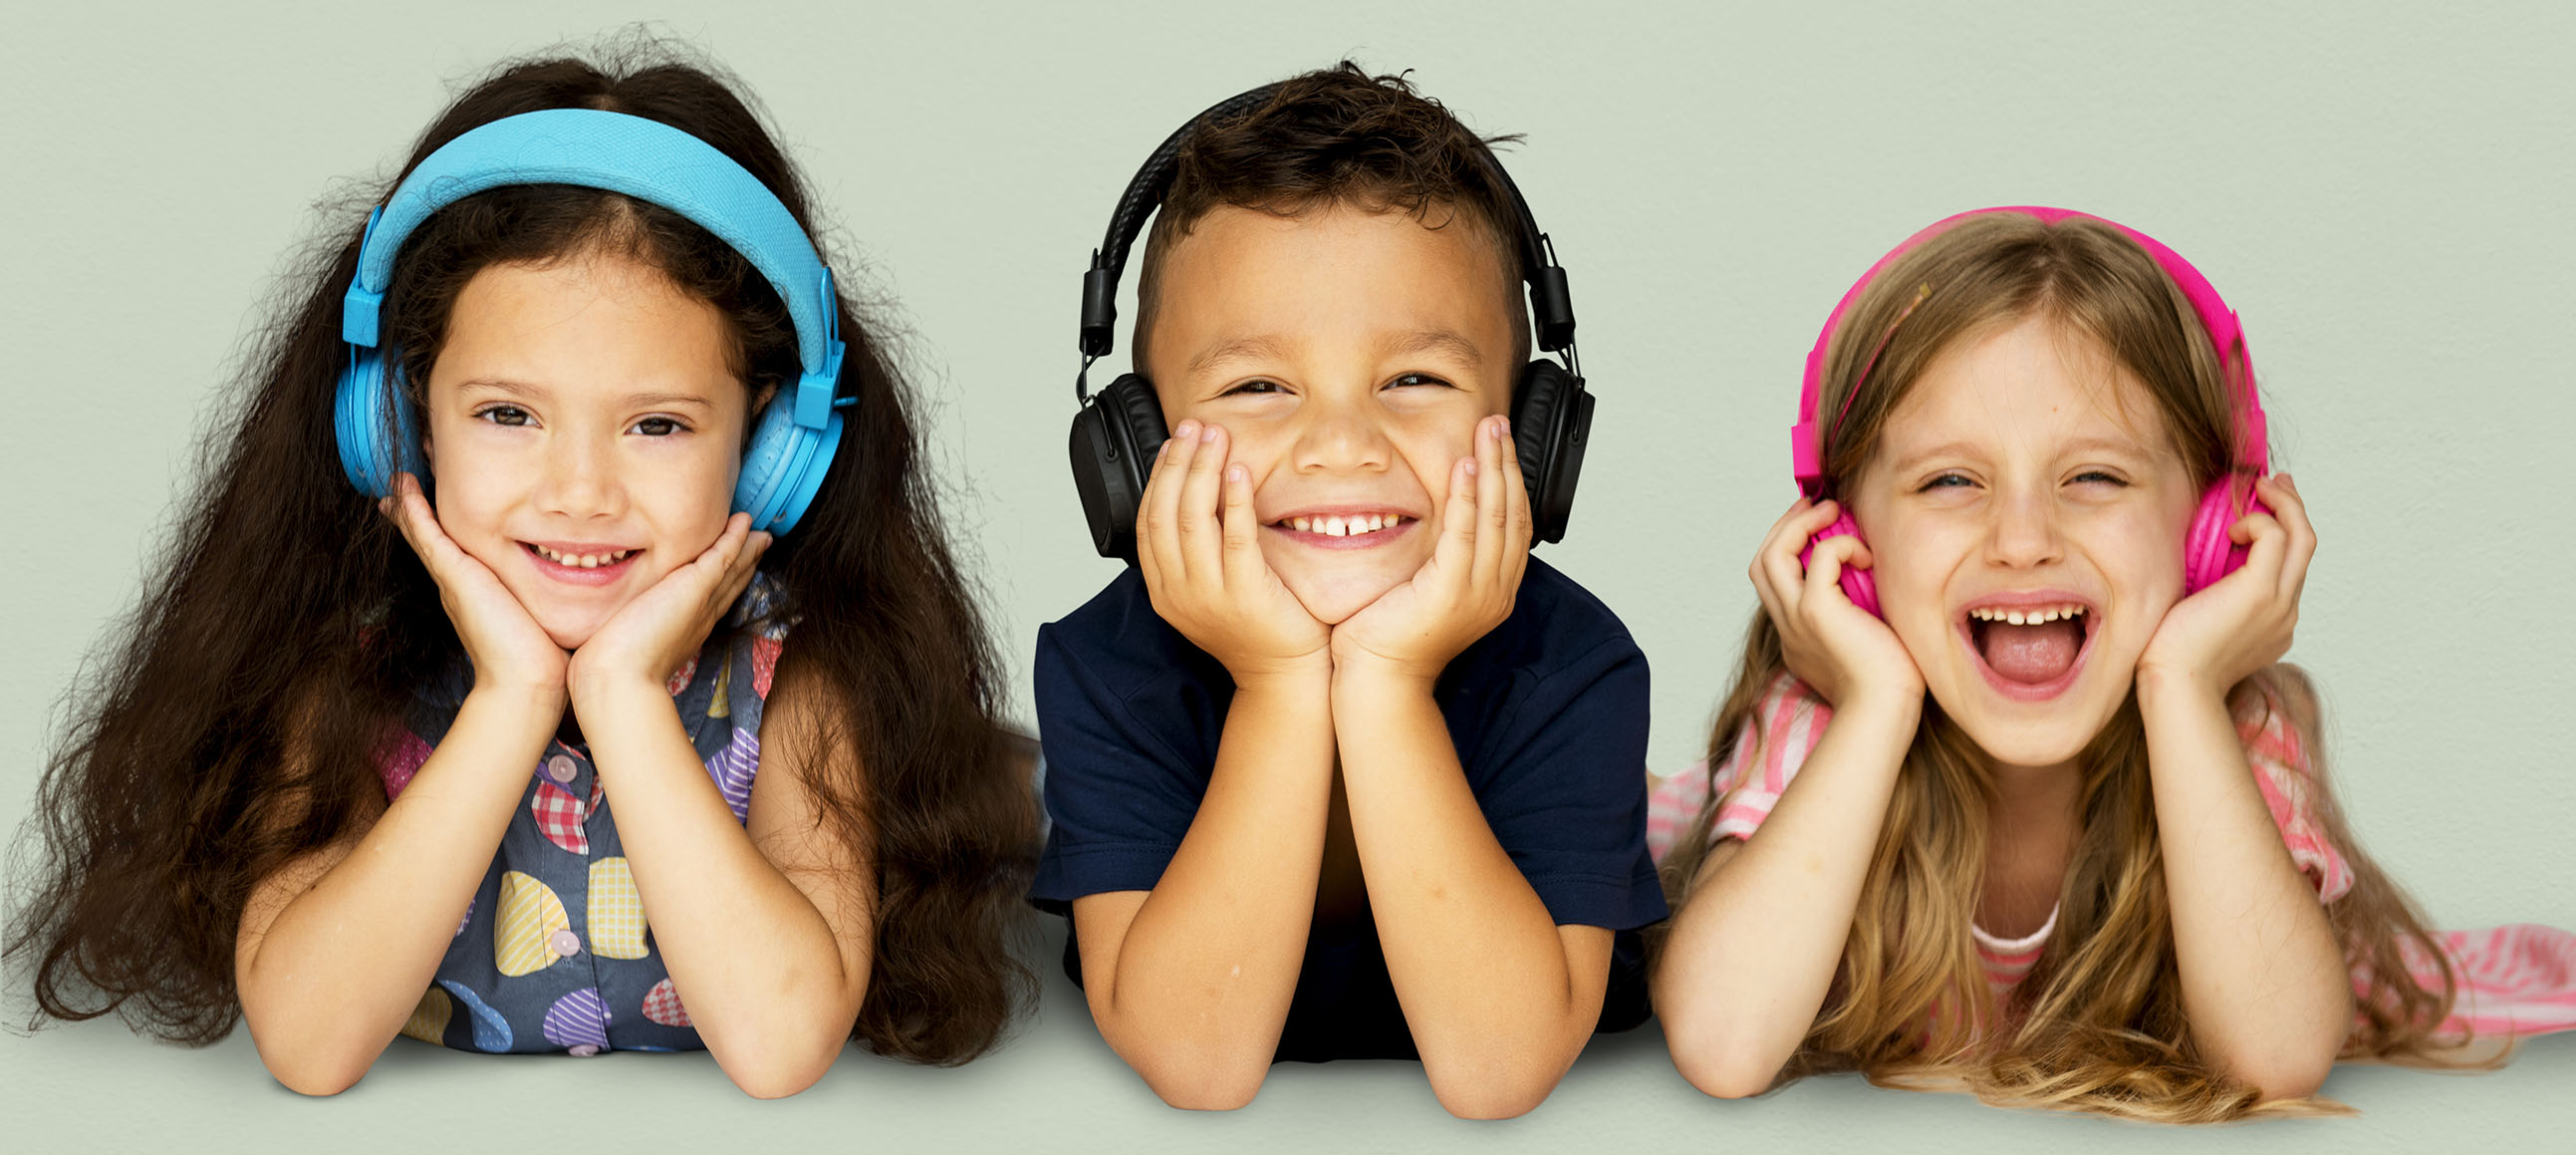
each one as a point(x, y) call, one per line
point(366, 415)
point(1551, 423)
point(1113, 443)
point(1857, 584)
point(784, 466)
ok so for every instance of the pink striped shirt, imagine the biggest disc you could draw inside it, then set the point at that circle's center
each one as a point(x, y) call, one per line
point(2517, 979)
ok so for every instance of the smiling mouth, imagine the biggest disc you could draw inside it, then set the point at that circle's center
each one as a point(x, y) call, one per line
point(1343, 530)
point(2030, 652)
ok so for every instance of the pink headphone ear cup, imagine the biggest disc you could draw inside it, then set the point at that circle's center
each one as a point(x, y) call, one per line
point(2207, 552)
point(1857, 583)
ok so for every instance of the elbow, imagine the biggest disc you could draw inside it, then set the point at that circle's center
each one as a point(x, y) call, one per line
point(1495, 1095)
point(1498, 1078)
point(319, 1076)
point(1722, 1064)
point(2282, 1077)
point(1203, 1087)
point(781, 1064)
point(310, 1065)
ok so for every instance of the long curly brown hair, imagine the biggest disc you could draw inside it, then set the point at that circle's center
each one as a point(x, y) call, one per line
point(284, 611)
point(2098, 1024)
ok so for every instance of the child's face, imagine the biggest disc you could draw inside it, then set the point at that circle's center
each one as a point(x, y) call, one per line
point(1349, 356)
point(2026, 472)
point(585, 426)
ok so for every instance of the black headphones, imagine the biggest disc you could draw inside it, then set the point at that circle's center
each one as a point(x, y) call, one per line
point(1118, 430)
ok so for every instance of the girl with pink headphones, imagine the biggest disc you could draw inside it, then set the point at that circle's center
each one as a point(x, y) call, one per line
point(2013, 793)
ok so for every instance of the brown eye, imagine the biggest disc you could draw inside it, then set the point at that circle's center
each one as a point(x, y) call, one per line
point(658, 427)
point(1416, 379)
point(1254, 387)
point(510, 415)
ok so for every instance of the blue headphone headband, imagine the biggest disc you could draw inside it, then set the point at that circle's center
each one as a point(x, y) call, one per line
point(652, 162)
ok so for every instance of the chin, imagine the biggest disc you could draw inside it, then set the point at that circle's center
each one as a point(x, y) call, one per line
point(1334, 597)
point(2049, 733)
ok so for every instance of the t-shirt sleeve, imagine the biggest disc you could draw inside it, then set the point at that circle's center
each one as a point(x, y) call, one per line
point(2279, 756)
point(1562, 782)
point(1769, 748)
point(1119, 796)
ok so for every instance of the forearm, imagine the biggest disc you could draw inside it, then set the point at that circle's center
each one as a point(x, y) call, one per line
point(1449, 903)
point(2263, 981)
point(764, 978)
point(341, 958)
point(1752, 951)
point(1199, 983)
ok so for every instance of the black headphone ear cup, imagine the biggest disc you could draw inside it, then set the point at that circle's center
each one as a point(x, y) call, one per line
point(1113, 444)
point(1551, 422)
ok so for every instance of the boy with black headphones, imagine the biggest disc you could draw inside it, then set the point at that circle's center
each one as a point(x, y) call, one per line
point(1338, 770)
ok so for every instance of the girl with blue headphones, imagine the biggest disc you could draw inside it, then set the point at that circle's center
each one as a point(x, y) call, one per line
point(564, 653)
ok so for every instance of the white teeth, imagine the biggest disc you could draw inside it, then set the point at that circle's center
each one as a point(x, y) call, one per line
point(1298, 523)
point(584, 560)
point(2028, 617)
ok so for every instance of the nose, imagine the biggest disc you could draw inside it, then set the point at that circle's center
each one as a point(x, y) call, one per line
point(1337, 434)
point(579, 478)
point(2024, 531)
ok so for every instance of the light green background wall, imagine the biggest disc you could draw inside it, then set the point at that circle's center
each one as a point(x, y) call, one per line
point(2384, 195)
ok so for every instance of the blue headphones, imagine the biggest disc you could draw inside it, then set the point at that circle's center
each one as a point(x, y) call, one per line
point(793, 445)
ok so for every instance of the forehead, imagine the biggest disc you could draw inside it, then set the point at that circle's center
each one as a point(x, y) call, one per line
point(2029, 385)
point(1332, 275)
point(591, 319)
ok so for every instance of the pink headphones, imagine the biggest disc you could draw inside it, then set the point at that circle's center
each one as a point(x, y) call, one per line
point(2207, 555)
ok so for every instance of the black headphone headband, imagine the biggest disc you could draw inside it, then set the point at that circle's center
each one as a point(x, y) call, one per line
point(1551, 303)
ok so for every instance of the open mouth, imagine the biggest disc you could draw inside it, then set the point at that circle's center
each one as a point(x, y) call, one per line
point(581, 565)
point(1347, 530)
point(2030, 650)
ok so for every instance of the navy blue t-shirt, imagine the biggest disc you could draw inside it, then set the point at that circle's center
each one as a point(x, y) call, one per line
point(1548, 714)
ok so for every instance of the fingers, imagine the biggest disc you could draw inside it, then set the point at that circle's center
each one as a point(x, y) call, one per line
point(1158, 510)
point(2281, 492)
point(1776, 572)
point(1455, 553)
point(1493, 502)
point(1241, 558)
point(1196, 518)
point(1825, 570)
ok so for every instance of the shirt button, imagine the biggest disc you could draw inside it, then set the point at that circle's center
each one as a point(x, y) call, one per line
point(583, 1051)
point(560, 767)
point(565, 942)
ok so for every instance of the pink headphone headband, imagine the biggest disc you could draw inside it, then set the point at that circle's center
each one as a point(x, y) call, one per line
point(1806, 438)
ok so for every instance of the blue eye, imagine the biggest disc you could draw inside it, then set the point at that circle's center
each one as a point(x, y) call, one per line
point(1945, 481)
point(510, 415)
point(2100, 477)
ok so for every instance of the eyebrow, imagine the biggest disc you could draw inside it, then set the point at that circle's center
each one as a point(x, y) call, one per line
point(1437, 341)
point(2113, 445)
point(1237, 349)
point(631, 400)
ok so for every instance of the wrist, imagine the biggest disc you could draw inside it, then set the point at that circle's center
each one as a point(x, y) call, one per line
point(606, 691)
point(1302, 670)
point(2158, 686)
point(1361, 675)
point(537, 709)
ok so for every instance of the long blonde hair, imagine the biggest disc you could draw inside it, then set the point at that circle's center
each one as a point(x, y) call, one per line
point(2098, 1023)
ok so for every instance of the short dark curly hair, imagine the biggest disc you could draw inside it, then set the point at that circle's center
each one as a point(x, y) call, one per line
point(1339, 136)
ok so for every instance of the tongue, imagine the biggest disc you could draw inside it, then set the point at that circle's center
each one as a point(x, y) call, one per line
point(2033, 654)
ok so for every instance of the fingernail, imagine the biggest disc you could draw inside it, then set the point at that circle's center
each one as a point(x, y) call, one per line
point(1471, 467)
point(1502, 428)
point(1237, 473)
point(1187, 429)
point(1208, 434)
